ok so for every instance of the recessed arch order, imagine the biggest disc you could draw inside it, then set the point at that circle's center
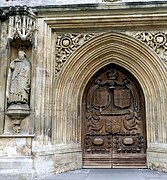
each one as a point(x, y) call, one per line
point(140, 60)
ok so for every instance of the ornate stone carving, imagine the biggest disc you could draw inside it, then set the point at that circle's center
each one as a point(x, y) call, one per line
point(18, 89)
point(66, 44)
point(21, 26)
point(157, 41)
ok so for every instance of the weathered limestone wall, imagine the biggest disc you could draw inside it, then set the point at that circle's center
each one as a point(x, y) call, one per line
point(68, 43)
point(15, 156)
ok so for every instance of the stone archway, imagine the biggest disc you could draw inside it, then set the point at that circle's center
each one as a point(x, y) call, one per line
point(126, 52)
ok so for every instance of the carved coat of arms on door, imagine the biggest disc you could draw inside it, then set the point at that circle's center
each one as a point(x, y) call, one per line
point(114, 119)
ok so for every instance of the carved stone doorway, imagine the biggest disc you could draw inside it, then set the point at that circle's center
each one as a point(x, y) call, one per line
point(114, 128)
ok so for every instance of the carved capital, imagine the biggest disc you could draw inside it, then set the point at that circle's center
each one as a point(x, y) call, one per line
point(157, 41)
point(66, 44)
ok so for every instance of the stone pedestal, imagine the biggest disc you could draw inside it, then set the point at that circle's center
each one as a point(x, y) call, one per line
point(17, 113)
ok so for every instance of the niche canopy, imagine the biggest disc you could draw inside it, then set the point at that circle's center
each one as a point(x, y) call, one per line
point(21, 26)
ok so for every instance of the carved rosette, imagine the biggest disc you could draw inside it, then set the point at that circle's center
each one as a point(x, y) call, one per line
point(157, 41)
point(66, 44)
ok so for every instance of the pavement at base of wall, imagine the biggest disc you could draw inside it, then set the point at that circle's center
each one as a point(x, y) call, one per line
point(109, 174)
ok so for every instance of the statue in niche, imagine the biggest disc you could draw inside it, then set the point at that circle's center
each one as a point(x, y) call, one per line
point(18, 83)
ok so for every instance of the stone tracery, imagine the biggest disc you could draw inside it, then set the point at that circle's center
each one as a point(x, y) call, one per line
point(157, 41)
point(66, 44)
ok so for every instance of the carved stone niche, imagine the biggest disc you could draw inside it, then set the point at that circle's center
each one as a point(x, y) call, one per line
point(22, 26)
point(18, 90)
point(21, 34)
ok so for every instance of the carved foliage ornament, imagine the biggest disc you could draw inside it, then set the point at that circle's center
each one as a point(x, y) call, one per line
point(157, 41)
point(66, 44)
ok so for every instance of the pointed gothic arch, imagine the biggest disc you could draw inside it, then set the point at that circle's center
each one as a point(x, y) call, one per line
point(102, 50)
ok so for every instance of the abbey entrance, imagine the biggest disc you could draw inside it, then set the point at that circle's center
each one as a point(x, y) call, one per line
point(82, 86)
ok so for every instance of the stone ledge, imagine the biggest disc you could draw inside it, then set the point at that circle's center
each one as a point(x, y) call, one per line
point(16, 135)
point(76, 2)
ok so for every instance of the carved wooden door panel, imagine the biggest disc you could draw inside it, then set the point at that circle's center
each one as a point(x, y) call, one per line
point(114, 121)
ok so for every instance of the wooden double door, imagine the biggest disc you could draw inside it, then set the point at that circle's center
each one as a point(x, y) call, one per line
point(113, 133)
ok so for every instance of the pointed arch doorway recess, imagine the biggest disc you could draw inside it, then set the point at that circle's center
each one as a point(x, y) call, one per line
point(114, 128)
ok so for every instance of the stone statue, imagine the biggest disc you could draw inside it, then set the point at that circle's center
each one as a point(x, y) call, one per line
point(18, 82)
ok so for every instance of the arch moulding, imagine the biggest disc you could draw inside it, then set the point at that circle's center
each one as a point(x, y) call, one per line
point(130, 54)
